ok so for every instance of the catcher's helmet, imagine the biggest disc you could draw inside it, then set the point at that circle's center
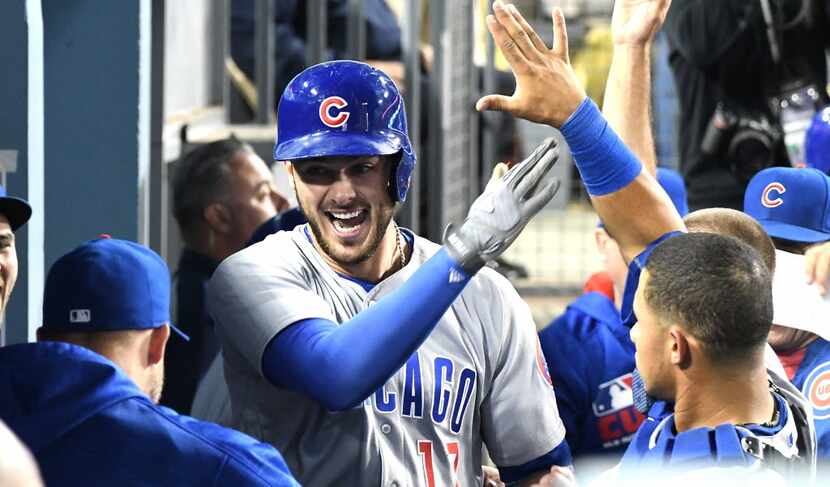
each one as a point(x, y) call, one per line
point(344, 108)
point(817, 141)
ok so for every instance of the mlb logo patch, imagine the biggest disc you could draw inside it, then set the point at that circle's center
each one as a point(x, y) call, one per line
point(614, 395)
point(817, 390)
point(80, 316)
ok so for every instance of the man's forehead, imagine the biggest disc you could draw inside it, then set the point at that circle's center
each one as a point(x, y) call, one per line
point(5, 225)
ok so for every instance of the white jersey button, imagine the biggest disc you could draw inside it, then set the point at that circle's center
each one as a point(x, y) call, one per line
point(394, 482)
point(386, 430)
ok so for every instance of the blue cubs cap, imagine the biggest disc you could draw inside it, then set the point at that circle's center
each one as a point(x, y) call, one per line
point(16, 210)
point(108, 285)
point(790, 203)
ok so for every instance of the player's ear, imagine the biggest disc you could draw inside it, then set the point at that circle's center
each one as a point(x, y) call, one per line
point(679, 348)
point(158, 344)
point(289, 168)
point(218, 218)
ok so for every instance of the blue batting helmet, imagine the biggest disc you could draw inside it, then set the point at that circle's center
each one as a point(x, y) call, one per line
point(817, 141)
point(344, 108)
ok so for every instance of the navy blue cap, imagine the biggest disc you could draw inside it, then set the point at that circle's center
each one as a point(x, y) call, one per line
point(790, 203)
point(108, 285)
point(17, 210)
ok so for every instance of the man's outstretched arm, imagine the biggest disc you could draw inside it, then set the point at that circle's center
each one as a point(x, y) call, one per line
point(628, 199)
point(627, 103)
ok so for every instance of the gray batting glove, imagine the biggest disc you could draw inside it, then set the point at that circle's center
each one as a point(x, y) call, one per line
point(502, 211)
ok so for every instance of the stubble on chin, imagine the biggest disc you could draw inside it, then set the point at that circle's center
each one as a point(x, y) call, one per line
point(376, 237)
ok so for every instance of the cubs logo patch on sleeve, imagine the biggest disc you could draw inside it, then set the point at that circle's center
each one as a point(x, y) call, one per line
point(817, 390)
point(542, 364)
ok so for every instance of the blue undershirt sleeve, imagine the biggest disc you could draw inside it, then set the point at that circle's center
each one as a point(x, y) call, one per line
point(340, 366)
point(561, 455)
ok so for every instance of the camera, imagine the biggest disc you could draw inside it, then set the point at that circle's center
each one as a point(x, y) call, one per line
point(748, 140)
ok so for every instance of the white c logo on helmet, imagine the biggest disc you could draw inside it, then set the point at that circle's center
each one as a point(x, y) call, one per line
point(773, 202)
point(325, 111)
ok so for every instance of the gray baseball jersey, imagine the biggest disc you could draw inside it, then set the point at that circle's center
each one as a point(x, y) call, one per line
point(477, 379)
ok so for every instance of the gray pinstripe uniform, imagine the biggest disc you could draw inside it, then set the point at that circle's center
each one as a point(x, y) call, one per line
point(477, 379)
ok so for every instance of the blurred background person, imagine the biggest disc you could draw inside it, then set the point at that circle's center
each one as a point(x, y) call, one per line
point(793, 206)
point(223, 196)
point(749, 75)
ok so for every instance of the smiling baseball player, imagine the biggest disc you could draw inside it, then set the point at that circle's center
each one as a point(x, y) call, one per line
point(369, 355)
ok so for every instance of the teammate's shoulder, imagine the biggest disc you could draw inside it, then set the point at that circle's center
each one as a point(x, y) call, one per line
point(598, 307)
point(259, 463)
point(590, 314)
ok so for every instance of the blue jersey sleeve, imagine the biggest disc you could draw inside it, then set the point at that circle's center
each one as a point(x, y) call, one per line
point(561, 455)
point(634, 268)
point(339, 366)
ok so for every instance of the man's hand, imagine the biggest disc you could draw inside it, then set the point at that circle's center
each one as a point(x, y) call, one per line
point(635, 22)
point(817, 266)
point(498, 216)
point(557, 477)
point(547, 89)
point(491, 477)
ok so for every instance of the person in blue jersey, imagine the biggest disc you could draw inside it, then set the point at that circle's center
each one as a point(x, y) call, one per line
point(793, 205)
point(83, 399)
point(716, 387)
point(590, 355)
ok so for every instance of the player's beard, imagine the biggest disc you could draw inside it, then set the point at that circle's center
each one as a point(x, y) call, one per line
point(379, 218)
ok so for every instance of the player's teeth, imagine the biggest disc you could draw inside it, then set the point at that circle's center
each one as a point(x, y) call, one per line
point(343, 228)
point(346, 216)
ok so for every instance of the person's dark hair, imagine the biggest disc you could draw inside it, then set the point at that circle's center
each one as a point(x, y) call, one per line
point(715, 287)
point(792, 246)
point(200, 180)
point(733, 223)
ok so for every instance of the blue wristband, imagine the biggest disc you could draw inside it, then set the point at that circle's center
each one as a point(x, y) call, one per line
point(604, 162)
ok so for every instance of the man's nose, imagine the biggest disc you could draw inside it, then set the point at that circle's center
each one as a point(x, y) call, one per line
point(342, 189)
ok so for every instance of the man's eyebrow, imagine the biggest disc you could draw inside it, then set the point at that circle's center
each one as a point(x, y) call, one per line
point(7, 236)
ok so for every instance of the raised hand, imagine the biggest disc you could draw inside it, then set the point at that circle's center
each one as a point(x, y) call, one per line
point(498, 216)
point(635, 22)
point(547, 90)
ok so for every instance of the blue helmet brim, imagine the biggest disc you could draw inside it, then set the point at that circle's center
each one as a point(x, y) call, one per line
point(334, 144)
